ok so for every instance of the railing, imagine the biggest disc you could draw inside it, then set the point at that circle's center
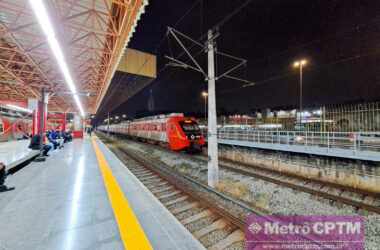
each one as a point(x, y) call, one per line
point(354, 141)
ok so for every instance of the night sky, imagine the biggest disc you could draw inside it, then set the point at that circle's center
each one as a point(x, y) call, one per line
point(339, 38)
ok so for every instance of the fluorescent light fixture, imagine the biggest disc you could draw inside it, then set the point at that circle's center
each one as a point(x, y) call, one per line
point(19, 108)
point(42, 16)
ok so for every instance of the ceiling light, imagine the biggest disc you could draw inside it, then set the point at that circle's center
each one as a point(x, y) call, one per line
point(42, 16)
point(18, 108)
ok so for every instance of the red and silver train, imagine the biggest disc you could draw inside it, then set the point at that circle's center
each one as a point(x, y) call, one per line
point(175, 130)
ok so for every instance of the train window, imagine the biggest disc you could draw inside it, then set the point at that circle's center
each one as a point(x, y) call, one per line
point(1, 128)
point(190, 127)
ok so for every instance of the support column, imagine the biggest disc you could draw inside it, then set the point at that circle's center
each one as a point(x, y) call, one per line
point(42, 115)
point(78, 126)
point(33, 105)
point(213, 167)
point(64, 117)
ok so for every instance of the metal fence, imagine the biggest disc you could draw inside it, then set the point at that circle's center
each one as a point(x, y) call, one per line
point(354, 141)
point(355, 117)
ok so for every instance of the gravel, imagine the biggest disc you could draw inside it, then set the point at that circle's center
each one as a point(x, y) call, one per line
point(215, 236)
point(236, 246)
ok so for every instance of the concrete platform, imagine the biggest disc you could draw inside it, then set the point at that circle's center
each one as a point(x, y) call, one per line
point(13, 153)
point(62, 203)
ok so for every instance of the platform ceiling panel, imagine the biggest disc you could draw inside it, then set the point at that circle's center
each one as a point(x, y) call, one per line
point(92, 34)
point(135, 71)
point(123, 87)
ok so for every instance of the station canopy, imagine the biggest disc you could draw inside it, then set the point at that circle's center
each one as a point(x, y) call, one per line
point(92, 34)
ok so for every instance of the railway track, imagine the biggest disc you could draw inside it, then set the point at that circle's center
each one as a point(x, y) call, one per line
point(215, 219)
point(336, 193)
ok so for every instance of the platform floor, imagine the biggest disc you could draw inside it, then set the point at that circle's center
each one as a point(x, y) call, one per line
point(13, 153)
point(63, 203)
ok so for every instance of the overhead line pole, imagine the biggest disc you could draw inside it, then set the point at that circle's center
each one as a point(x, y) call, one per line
point(212, 142)
point(211, 78)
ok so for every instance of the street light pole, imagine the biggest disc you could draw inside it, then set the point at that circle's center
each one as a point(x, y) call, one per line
point(205, 95)
point(300, 64)
point(205, 109)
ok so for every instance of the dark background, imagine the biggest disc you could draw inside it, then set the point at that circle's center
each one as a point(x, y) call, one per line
point(339, 38)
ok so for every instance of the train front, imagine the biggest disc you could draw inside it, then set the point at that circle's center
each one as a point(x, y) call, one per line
point(193, 134)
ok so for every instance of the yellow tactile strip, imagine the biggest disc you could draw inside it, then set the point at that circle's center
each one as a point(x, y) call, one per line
point(131, 232)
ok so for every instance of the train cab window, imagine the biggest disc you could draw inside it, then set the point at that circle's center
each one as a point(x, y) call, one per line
point(190, 126)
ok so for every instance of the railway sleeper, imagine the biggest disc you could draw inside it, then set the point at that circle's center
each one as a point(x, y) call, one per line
point(185, 208)
point(154, 181)
point(160, 184)
point(160, 190)
point(165, 196)
point(171, 202)
point(219, 224)
point(142, 176)
point(196, 217)
point(151, 177)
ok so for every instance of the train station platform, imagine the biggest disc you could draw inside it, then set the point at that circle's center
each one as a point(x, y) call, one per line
point(84, 197)
point(13, 153)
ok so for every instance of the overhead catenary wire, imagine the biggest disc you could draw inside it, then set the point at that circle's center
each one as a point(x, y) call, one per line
point(219, 24)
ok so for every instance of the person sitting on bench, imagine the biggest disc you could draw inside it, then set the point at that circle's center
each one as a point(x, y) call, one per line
point(52, 141)
point(67, 136)
point(35, 145)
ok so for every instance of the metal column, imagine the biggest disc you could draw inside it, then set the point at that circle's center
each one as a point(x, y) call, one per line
point(108, 123)
point(213, 167)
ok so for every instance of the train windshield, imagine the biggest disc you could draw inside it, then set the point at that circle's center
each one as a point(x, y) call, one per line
point(190, 126)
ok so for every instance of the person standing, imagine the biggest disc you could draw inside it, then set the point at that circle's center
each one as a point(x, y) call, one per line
point(3, 175)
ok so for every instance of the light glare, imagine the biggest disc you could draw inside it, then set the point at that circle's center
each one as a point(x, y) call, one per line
point(46, 26)
point(299, 63)
point(19, 108)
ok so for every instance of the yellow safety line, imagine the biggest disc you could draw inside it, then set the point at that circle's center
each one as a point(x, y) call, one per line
point(131, 233)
